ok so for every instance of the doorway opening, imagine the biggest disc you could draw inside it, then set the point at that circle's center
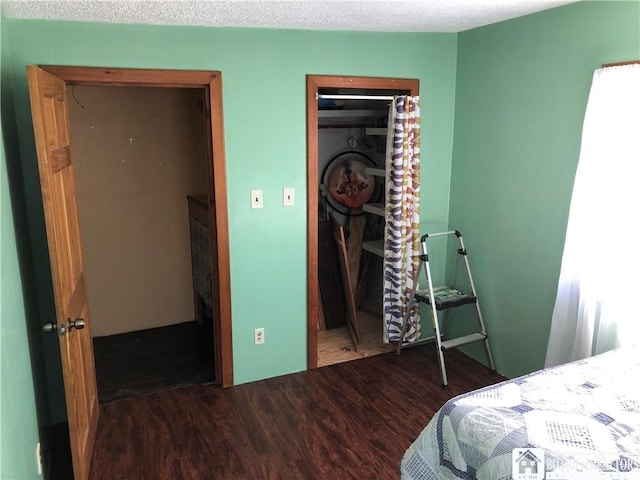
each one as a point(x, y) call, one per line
point(346, 144)
point(140, 156)
point(211, 84)
point(49, 101)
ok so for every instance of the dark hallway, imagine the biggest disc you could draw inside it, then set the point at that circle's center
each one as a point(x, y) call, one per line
point(145, 361)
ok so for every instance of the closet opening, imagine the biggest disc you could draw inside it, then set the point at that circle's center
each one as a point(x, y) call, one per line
point(141, 171)
point(347, 151)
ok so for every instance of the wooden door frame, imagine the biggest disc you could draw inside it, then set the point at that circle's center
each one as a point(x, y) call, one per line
point(314, 83)
point(218, 211)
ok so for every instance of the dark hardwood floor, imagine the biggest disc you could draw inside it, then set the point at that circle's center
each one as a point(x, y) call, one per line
point(144, 361)
point(348, 421)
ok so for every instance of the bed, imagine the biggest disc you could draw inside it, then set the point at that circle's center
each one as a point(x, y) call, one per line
point(577, 421)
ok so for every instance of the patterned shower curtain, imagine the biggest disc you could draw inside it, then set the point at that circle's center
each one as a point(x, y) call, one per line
point(402, 231)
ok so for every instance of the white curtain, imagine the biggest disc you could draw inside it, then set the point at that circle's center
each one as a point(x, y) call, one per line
point(597, 305)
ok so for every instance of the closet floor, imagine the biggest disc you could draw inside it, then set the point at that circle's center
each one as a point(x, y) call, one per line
point(335, 345)
point(137, 363)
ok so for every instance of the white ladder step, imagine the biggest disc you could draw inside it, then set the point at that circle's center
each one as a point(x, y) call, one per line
point(456, 342)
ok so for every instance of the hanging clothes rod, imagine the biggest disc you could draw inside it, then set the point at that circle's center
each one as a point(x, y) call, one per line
point(354, 97)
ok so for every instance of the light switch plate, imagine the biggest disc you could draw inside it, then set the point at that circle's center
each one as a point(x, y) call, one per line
point(256, 199)
point(289, 196)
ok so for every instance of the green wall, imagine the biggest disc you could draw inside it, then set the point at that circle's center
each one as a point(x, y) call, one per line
point(264, 109)
point(521, 95)
point(18, 415)
point(19, 432)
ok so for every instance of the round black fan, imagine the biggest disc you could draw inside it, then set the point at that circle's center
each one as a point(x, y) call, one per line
point(346, 184)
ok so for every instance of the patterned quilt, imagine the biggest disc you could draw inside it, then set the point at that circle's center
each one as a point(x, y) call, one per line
point(576, 421)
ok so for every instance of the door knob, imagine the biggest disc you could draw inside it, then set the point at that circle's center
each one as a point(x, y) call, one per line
point(49, 327)
point(78, 323)
point(54, 327)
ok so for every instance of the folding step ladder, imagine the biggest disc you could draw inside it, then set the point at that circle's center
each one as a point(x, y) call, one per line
point(445, 298)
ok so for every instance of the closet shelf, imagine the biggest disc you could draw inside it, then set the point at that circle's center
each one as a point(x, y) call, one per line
point(349, 117)
point(376, 172)
point(374, 208)
point(375, 246)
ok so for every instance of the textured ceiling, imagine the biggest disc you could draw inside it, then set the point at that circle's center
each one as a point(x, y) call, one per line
point(369, 15)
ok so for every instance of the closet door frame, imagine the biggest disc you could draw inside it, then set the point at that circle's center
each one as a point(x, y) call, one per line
point(315, 83)
point(211, 83)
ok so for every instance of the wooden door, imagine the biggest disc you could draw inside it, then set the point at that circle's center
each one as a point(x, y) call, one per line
point(51, 130)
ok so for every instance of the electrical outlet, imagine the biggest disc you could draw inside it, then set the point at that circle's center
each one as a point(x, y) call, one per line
point(258, 336)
